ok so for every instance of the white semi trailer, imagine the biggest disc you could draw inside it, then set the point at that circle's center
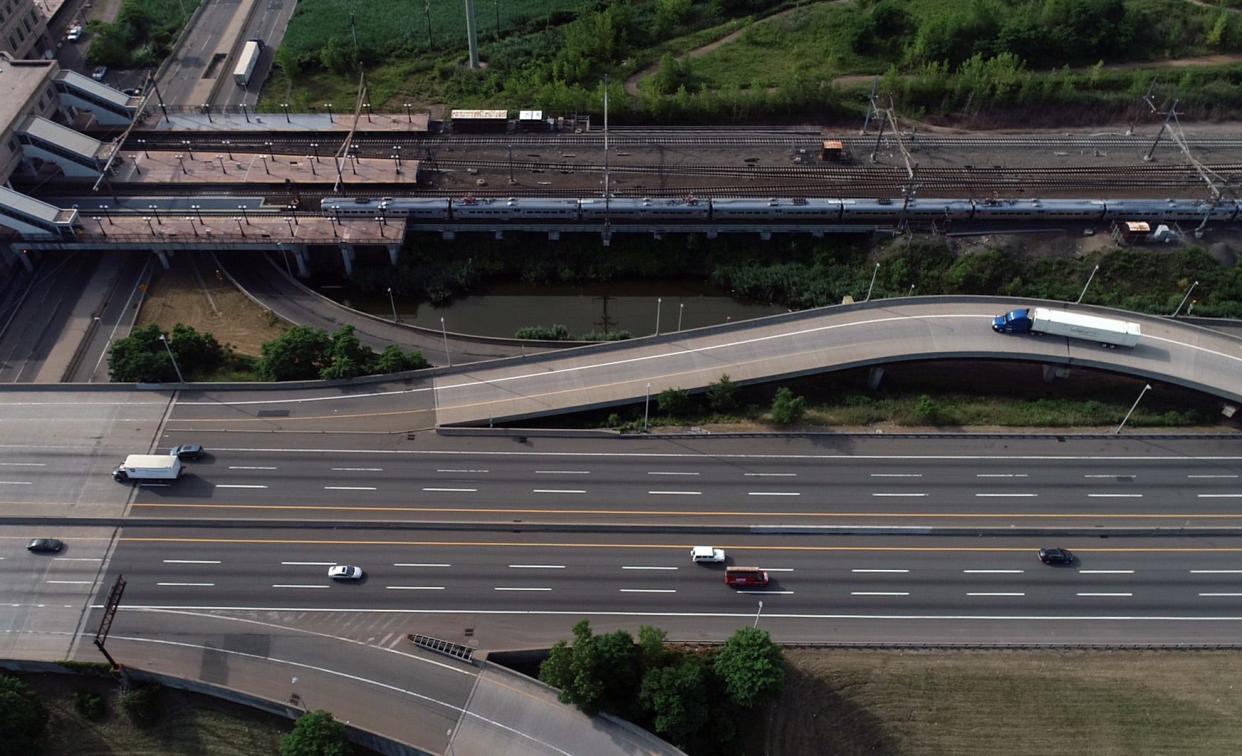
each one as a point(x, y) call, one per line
point(1109, 332)
point(247, 61)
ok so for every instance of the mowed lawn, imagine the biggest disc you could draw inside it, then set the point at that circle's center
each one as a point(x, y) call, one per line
point(844, 702)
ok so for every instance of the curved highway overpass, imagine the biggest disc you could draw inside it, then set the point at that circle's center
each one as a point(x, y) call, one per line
point(812, 341)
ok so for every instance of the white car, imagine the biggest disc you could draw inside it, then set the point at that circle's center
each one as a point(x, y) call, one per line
point(706, 555)
point(74, 33)
point(345, 572)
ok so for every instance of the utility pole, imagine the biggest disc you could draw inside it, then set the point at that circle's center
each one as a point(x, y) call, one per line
point(472, 34)
point(427, 11)
point(1163, 127)
point(1138, 112)
point(875, 85)
point(607, 204)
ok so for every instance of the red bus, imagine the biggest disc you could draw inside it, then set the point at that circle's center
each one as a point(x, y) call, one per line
point(740, 577)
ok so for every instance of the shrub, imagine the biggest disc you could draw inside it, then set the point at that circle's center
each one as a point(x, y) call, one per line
point(555, 332)
point(23, 717)
point(316, 733)
point(722, 395)
point(675, 402)
point(751, 666)
point(141, 703)
point(89, 705)
point(787, 408)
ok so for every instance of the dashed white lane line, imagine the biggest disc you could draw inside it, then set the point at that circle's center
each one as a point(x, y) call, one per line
point(896, 475)
point(691, 474)
point(562, 472)
point(675, 493)
point(1106, 572)
point(414, 587)
point(537, 566)
point(154, 485)
point(234, 485)
point(1221, 496)
point(187, 585)
point(643, 567)
point(15, 483)
point(1006, 495)
point(521, 589)
point(778, 569)
point(879, 593)
point(68, 582)
point(462, 471)
point(770, 475)
point(993, 572)
point(421, 564)
point(877, 570)
point(1113, 476)
point(1216, 572)
point(309, 564)
point(1114, 496)
point(356, 469)
point(349, 488)
point(44, 464)
point(1002, 475)
point(995, 594)
point(1211, 476)
point(898, 495)
point(191, 561)
point(558, 490)
point(646, 590)
point(451, 490)
point(1221, 595)
point(249, 467)
point(773, 493)
point(77, 559)
point(296, 585)
point(1106, 595)
point(767, 593)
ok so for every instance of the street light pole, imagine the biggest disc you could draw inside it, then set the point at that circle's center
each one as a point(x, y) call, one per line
point(1146, 388)
point(872, 284)
point(659, 303)
point(1088, 283)
point(646, 407)
point(681, 310)
point(1183, 302)
point(444, 332)
point(164, 341)
point(392, 300)
point(758, 614)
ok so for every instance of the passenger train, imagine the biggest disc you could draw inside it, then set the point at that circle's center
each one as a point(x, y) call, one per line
point(780, 210)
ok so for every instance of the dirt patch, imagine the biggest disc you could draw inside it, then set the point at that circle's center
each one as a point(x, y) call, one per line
point(1012, 702)
point(194, 292)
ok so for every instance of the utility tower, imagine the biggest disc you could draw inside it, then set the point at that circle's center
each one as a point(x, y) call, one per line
point(472, 34)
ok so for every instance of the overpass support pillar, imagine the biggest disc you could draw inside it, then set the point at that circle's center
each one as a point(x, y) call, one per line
point(448, 235)
point(22, 255)
point(163, 258)
point(874, 376)
point(817, 234)
point(1052, 373)
point(500, 235)
point(765, 235)
point(712, 233)
point(606, 237)
point(299, 255)
point(347, 259)
point(394, 253)
point(554, 236)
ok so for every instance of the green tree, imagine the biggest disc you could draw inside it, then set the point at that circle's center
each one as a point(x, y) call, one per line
point(140, 357)
point(651, 646)
point(316, 733)
point(393, 360)
point(670, 15)
point(787, 408)
point(675, 402)
point(23, 718)
point(298, 354)
point(751, 666)
point(336, 56)
point(722, 395)
point(196, 352)
point(676, 698)
point(598, 672)
point(346, 356)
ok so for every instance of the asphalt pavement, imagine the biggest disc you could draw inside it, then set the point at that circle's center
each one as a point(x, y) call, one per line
point(33, 325)
point(267, 23)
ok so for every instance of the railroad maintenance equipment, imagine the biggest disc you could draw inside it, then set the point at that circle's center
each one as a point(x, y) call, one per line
point(1108, 332)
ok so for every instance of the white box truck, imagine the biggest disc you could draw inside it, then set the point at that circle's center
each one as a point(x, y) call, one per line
point(1108, 332)
point(247, 61)
point(140, 467)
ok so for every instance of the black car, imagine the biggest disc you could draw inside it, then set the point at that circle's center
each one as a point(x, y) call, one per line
point(188, 452)
point(132, 92)
point(45, 546)
point(1056, 556)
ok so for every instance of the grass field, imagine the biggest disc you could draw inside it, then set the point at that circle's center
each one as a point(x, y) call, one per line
point(983, 703)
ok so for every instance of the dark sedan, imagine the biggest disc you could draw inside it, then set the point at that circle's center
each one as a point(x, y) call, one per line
point(45, 546)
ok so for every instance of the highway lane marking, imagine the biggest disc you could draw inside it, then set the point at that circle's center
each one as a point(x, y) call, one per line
point(15, 483)
point(767, 593)
point(896, 475)
point(521, 589)
point(349, 488)
point(1216, 572)
point(158, 485)
point(679, 546)
point(188, 585)
point(995, 594)
point(778, 569)
point(773, 493)
point(1221, 594)
point(877, 570)
point(249, 467)
point(191, 561)
point(537, 566)
point(879, 593)
point(1106, 572)
point(898, 495)
point(1114, 476)
point(993, 572)
point(850, 458)
point(414, 587)
point(1114, 496)
point(309, 564)
point(296, 585)
point(675, 493)
point(460, 471)
point(1106, 595)
point(646, 590)
point(1220, 496)
point(1211, 476)
point(1001, 475)
point(38, 464)
point(356, 469)
point(642, 567)
point(421, 564)
point(237, 485)
point(451, 490)
point(77, 559)
point(558, 490)
point(69, 582)
point(562, 472)
point(674, 473)
point(1006, 495)
point(769, 475)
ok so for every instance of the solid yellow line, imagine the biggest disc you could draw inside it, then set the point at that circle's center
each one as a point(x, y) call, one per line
point(674, 513)
point(740, 547)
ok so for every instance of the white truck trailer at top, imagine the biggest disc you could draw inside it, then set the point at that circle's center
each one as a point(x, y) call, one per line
point(140, 467)
point(247, 61)
point(1108, 332)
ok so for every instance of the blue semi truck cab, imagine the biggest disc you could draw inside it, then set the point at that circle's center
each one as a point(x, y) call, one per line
point(1015, 321)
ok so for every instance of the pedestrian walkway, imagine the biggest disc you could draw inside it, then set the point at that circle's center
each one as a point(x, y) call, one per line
point(241, 121)
point(227, 166)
